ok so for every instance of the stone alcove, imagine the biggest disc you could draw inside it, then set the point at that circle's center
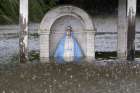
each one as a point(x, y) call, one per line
point(53, 26)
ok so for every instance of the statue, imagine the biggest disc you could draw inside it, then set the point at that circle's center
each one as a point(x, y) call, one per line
point(68, 49)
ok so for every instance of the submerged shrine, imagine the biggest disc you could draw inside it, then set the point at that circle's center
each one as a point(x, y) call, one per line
point(52, 31)
point(67, 33)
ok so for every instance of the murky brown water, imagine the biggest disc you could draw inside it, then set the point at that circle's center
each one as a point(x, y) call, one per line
point(99, 77)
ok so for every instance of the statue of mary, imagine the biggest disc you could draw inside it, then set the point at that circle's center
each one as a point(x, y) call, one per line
point(68, 49)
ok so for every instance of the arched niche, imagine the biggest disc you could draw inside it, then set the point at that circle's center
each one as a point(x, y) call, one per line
point(53, 26)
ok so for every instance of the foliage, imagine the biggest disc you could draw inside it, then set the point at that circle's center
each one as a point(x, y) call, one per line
point(33, 57)
point(9, 10)
point(38, 8)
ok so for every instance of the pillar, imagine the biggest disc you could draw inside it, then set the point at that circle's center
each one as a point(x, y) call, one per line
point(90, 45)
point(131, 14)
point(44, 47)
point(23, 35)
point(122, 30)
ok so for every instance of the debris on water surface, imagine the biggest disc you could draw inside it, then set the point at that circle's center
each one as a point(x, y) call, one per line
point(72, 78)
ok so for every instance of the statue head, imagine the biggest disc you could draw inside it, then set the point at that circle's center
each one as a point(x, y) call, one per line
point(68, 30)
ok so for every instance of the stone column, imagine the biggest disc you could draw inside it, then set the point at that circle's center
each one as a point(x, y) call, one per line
point(90, 45)
point(44, 46)
point(23, 35)
point(122, 30)
point(131, 13)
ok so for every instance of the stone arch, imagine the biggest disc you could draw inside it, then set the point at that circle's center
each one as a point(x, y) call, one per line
point(64, 11)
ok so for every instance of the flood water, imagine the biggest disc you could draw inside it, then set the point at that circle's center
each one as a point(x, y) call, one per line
point(99, 77)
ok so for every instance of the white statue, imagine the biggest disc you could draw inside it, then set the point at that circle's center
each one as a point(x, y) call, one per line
point(69, 45)
point(68, 48)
